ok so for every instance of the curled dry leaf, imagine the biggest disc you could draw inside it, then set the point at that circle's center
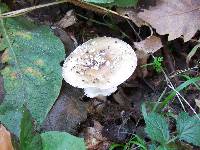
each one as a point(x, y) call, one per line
point(5, 139)
point(94, 138)
point(68, 20)
point(150, 45)
point(174, 17)
point(144, 49)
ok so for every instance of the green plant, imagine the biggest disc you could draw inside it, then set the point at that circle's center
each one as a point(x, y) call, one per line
point(135, 140)
point(161, 138)
point(31, 139)
point(186, 77)
point(157, 129)
point(157, 64)
point(173, 93)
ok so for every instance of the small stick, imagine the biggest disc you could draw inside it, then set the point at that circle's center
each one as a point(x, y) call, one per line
point(168, 62)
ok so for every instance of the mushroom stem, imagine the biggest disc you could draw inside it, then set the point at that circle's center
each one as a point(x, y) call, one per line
point(95, 92)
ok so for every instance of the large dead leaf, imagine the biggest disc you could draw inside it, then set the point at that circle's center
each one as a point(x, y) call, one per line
point(5, 139)
point(174, 17)
point(144, 49)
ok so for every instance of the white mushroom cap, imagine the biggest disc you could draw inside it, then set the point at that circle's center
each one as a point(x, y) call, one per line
point(100, 65)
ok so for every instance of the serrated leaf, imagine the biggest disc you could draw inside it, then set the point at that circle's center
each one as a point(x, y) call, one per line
point(33, 73)
point(29, 138)
point(55, 140)
point(157, 128)
point(188, 128)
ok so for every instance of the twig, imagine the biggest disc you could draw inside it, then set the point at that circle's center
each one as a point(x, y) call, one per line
point(138, 36)
point(169, 63)
point(26, 10)
point(169, 83)
point(79, 3)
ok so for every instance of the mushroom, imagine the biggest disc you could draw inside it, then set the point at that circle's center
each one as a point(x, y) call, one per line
point(99, 66)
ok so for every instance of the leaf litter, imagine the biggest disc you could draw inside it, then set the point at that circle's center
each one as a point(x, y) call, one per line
point(176, 18)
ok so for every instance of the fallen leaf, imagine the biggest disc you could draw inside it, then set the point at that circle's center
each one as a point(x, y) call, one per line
point(93, 136)
point(197, 101)
point(144, 48)
point(68, 111)
point(142, 60)
point(68, 20)
point(5, 139)
point(174, 17)
point(150, 45)
point(132, 15)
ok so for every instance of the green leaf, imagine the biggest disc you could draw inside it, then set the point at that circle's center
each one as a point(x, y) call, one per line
point(157, 128)
point(136, 140)
point(119, 3)
point(188, 128)
point(179, 88)
point(29, 138)
point(55, 140)
point(99, 1)
point(125, 3)
point(33, 73)
point(192, 52)
point(24, 127)
point(12, 121)
point(161, 147)
point(115, 146)
point(152, 147)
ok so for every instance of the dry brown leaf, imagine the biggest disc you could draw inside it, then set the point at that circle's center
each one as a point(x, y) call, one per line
point(5, 139)
point(93, 136)
point(132, 15)
point(142, 60)
point(174, 17)
point(68, 20)
point(197, 101)
point(144, 48)
point(150, 45)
